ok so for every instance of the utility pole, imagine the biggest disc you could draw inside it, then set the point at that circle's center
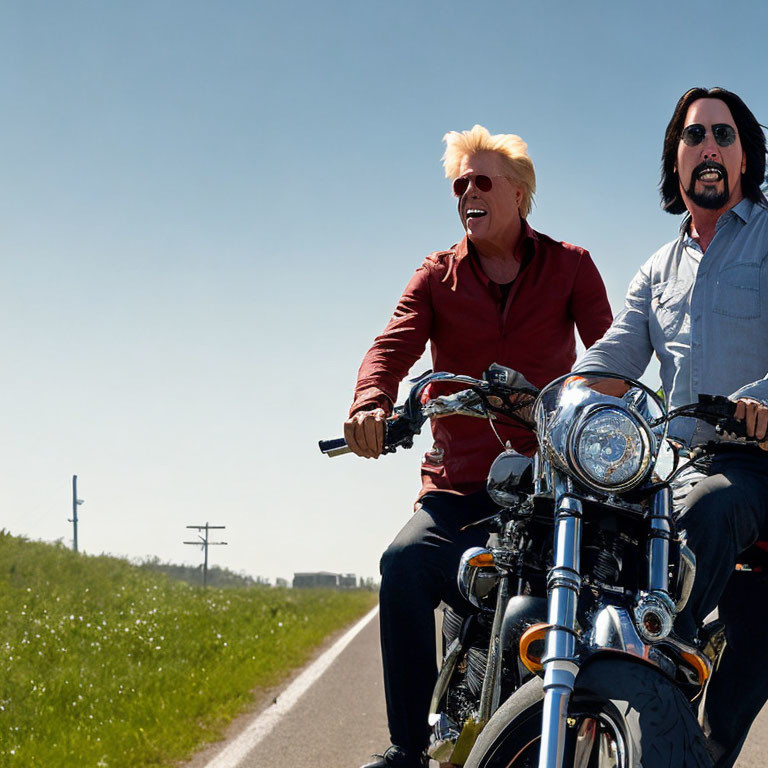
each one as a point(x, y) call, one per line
point(75, 504)
point(204, 543)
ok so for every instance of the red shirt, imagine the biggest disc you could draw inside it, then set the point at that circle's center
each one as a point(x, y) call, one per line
point(452, 303)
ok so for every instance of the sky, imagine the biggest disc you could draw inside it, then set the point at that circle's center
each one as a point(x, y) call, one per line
point(209, 210)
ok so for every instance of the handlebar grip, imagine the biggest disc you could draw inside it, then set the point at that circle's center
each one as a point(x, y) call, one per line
point(335, 447)
point(718, 411)
point(732, 426)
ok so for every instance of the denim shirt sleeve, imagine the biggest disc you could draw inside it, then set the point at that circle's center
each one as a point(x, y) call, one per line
point(757, 390)
point(626, 347)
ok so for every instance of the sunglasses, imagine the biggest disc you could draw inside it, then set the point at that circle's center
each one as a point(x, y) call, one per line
point(723, 134)
point(483, 183)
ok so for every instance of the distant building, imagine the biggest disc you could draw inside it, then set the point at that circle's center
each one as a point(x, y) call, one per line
point(281, 582)
point(347, 581)
point(324, 579)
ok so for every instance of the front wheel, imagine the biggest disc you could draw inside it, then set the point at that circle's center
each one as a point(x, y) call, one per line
point(622, 714)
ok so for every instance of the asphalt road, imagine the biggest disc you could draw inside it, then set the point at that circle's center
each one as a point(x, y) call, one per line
point(340, 721)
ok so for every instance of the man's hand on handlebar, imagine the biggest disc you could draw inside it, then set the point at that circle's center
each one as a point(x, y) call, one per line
point(364, 433)
point(755, 416)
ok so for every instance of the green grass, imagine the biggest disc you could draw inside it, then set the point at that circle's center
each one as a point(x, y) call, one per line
point(103, 663)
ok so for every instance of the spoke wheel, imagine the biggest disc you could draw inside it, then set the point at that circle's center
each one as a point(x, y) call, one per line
point(594, 741)
point(598, 742)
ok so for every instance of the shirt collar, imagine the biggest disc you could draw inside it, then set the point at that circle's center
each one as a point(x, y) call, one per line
point(528, 235)
point(743, 209)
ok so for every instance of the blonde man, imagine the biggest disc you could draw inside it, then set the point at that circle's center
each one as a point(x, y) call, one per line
point(506, 294)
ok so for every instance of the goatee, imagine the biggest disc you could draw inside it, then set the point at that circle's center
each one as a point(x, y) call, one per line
point(709, 198)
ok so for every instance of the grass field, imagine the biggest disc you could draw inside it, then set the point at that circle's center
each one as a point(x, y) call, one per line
point(103, 663)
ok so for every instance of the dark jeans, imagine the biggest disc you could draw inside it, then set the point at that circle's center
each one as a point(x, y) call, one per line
point(726, 513)
point(418, 570)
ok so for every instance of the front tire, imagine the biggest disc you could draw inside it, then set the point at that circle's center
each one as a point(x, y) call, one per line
point(622, 714)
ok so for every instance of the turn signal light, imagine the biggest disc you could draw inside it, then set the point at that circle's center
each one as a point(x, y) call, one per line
point(483, 560)
point(701, 666)
point(532, 646)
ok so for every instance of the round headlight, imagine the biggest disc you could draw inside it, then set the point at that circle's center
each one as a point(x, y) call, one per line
point(610, 449)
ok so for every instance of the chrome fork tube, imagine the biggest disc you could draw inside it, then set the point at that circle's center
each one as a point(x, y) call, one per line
point(491, 692)
point(658, 541)
point(560, 668)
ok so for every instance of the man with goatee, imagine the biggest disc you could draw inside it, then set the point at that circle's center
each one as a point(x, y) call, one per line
point(700, 304)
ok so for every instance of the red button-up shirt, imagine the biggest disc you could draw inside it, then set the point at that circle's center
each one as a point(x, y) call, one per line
point(452, 303)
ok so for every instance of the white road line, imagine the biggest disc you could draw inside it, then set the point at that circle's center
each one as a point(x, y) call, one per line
point(231, 756)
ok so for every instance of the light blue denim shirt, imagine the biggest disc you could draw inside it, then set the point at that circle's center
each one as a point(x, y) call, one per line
point(705, 315)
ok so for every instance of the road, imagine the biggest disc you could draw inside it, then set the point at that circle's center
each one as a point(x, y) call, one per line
point(338, 723)
point(340, 720)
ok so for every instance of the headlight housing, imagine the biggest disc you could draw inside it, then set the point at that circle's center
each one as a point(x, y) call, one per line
point(510, 478)
point(609, 448)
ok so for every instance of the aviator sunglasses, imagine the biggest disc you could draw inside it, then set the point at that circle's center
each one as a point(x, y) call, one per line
point(723, 134)
point(483, 183)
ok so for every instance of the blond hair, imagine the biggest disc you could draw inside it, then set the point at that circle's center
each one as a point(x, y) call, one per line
point(512, 150)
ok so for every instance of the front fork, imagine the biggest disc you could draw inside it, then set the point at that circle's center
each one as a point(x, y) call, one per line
point(563, 586)
point(560, 667)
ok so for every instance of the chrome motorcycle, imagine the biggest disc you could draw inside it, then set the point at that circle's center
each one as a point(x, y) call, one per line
point(614, 685)
point(570, 658)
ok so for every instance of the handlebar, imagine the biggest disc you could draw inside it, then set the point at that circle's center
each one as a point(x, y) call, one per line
point(493, 391)
point(715, 410)
point(732, 426)
point(407, 420)
point(335, 447)
point(399, 431)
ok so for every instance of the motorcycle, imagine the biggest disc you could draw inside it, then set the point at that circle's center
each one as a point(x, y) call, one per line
point(570, 659)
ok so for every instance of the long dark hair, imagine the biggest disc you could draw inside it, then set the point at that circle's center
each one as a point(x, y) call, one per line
point(752, 141)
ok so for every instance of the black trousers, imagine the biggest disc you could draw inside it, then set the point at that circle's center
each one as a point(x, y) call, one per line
point(418, 571)
point(724, 514)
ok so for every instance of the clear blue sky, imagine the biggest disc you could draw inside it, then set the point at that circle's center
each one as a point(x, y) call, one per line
point(208, 210)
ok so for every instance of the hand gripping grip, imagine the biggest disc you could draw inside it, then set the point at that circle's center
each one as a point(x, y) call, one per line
point(731, 426)
point(335, 447)
point(718, 411)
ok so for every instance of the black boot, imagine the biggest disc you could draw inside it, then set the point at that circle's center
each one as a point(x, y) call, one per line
point(395, 757)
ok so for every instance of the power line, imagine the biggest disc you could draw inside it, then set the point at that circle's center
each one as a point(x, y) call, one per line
point(204, 543)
